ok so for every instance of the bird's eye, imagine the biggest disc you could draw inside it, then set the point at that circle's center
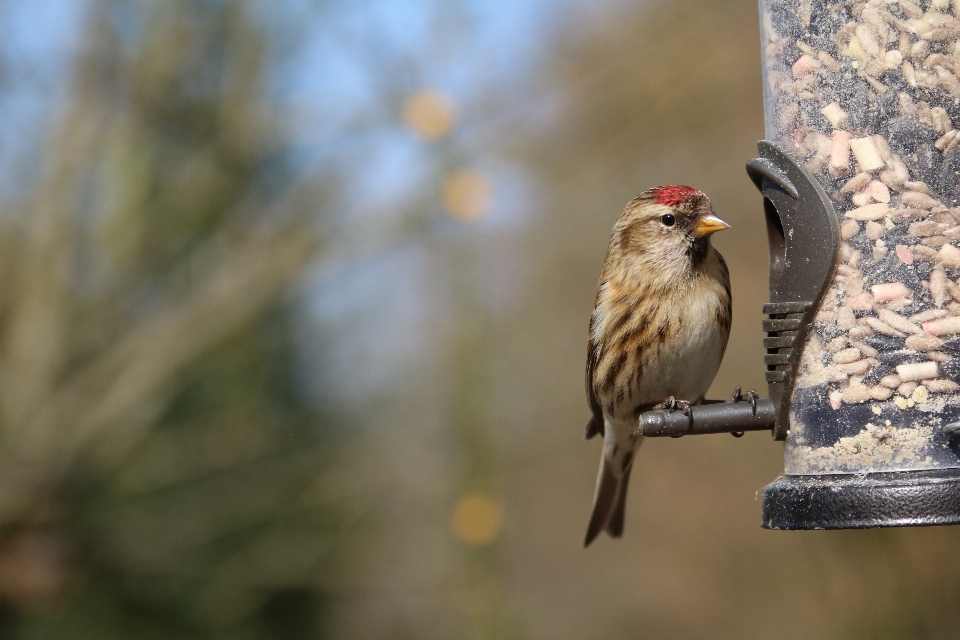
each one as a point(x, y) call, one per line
point(668, 220)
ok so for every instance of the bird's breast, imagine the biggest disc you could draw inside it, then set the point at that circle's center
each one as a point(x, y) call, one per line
point(671, 345)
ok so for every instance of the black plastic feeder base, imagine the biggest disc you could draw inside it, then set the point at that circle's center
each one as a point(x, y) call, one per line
point(846, 501)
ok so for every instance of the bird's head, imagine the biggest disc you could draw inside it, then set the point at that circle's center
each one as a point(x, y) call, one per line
point(667, 228)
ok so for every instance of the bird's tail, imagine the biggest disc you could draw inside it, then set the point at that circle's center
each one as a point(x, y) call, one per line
point(609, 500)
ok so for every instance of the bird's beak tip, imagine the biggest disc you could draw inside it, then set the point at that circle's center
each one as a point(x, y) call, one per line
point(711, 224)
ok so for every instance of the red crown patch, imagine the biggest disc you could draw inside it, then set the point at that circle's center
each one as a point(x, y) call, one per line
point(673, 194)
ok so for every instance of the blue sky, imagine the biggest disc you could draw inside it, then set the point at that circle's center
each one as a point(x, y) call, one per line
point(478, 53)
point(331, 83)
point(344, 57)
point(38, 37)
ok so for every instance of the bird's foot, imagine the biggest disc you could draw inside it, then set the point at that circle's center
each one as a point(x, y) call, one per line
point(672, 404)
point(750, 396)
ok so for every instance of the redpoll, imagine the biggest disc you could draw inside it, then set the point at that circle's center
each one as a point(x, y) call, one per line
point(658, 331)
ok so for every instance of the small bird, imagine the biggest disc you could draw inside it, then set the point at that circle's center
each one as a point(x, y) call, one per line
point(658, 331)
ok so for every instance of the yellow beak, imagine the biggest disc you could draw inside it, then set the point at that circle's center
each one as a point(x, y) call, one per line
point(710, 224)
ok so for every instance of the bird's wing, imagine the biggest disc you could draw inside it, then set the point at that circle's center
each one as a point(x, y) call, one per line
point(595, 425)
point(725, 322)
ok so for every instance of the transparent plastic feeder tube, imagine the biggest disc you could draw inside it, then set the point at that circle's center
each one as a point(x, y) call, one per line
point(867, 96)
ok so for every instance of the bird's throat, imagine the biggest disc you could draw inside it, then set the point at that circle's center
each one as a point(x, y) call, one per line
point(697, 252)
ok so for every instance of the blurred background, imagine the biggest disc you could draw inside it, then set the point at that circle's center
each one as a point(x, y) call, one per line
point(293, 312)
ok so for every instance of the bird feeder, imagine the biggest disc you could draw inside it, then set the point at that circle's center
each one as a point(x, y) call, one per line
point(860, 177)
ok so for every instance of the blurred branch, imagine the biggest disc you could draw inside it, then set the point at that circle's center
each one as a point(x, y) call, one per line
point(143, 362)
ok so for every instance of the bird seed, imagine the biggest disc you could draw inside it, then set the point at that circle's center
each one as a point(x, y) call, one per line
point(866, 93)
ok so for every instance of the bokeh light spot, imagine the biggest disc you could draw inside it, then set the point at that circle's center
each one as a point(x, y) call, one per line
point(466, 195)
point(477, 519)
point(429, 114)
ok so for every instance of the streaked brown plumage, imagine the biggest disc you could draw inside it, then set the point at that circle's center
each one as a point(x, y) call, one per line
point(659, 329)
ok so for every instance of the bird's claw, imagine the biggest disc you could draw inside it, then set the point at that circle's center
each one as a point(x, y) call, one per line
point(750, 396)
point(672, 404)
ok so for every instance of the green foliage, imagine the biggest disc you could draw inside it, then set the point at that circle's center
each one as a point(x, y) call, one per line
point(161, 468)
